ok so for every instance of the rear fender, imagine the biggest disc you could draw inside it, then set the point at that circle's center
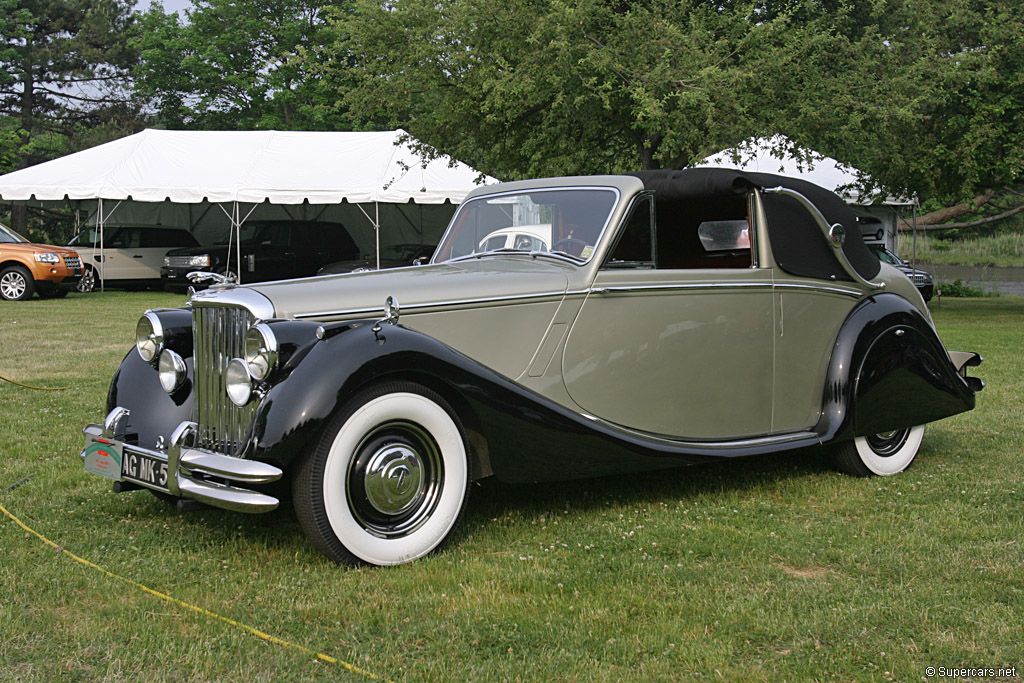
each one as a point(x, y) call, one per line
point(889, 370)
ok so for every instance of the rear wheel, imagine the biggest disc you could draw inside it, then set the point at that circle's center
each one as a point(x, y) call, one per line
point(880, 454)
point(387, 480)
point(16, 283)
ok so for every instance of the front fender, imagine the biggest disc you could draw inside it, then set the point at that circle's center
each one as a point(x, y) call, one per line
point(342, 359)
point(889, 370)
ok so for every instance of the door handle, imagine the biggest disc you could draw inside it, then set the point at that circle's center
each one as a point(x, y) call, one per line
point(136, 255)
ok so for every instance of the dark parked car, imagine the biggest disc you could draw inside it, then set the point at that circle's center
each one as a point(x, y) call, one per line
point(395, 256)
point(674, 317)
point(922, 279)
point(270, 250)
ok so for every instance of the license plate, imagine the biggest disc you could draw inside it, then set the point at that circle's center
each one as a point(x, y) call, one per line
point(103, 457)
point(144, 469)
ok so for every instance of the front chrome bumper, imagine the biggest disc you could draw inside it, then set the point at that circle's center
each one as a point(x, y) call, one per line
point(189, 469)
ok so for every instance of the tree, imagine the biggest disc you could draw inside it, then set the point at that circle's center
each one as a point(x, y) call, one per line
point(236, 64)
point(560, 86)
point(553, 86)
point(955, 135)
point(926, 97)
point(62, 70)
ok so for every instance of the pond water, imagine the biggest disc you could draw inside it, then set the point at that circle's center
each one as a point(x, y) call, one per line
point(1008, 281)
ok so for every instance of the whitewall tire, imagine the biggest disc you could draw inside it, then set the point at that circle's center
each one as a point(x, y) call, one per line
point(881, 454)
point(387, 480)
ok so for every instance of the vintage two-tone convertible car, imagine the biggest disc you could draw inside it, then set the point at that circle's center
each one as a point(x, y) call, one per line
point(654, 319)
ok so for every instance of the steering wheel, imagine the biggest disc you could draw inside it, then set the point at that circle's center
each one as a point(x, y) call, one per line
point(567, 241)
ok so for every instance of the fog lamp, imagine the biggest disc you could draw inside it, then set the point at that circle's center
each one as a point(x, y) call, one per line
point(171, 370)
point(238, 382)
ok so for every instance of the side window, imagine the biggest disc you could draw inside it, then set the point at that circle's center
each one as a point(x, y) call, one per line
point(634, 248)
point(494, 243)
point(126, 238)
point(703, 232)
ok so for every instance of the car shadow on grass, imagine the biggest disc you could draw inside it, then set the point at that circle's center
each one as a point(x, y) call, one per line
point(278, 531)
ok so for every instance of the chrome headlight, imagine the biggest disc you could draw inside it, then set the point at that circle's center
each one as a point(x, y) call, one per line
point(260, 351)
point(47, 257)
point(199, 261)
point(149, 336)
point(238, 382)
point(172, 370)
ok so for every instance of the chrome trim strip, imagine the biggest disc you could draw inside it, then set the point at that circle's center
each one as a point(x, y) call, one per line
point(820, 288)
point(413, 308)
point(725, 285)
point(715, 445)
point(687, 286)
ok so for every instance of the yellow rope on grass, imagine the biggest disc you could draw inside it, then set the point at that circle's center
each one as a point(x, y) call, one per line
point(180, 603)
point(31, 387)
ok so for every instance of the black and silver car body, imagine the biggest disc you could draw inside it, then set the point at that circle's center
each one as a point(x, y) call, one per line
point(677, 317)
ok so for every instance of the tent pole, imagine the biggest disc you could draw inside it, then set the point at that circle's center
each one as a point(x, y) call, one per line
point(913, 256)
point(103, 256)
point(376, 229)
point(238, 241)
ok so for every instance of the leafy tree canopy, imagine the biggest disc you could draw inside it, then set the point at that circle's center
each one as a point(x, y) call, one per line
point(236, 64)
point(923, 96)
point(63, 65)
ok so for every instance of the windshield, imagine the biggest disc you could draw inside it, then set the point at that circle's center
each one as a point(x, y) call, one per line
point(8, 236)
point(564, 221)
point(885, 255)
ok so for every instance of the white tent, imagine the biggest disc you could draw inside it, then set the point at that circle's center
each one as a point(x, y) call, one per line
point(209, 181)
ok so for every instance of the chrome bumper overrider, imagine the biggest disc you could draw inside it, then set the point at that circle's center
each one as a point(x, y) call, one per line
point(187, 468)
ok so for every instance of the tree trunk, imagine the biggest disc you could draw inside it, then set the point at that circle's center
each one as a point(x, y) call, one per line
point(936, 219)
point(19, 212)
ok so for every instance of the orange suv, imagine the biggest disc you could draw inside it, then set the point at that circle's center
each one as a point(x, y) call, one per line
point(26, 268)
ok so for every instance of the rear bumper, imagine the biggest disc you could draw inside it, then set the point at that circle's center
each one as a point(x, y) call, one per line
point(211, 478)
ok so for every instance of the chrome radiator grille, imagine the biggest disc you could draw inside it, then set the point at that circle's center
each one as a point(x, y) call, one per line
point(179, 261)
point(219, 336)
point(72, 262)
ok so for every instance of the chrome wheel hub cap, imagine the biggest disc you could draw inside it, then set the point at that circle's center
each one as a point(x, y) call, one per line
point(887, 444)
point(13, 285)
point(394, 479)
point(394, 482)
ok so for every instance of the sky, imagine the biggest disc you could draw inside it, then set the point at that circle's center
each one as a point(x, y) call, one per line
point(171, 5)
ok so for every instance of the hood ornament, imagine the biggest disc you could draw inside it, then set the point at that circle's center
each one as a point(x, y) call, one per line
point(199, 276)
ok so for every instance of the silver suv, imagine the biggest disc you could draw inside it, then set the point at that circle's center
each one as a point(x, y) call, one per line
point(132, 255)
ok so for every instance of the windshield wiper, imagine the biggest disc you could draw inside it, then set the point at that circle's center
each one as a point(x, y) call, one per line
point(490, 252)
point(559, 256)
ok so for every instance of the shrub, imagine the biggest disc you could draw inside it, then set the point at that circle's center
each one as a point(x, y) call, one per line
point(958, 288)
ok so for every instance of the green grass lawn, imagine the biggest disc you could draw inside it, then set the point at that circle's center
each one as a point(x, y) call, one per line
point(1005, 250)
point(772, 568)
